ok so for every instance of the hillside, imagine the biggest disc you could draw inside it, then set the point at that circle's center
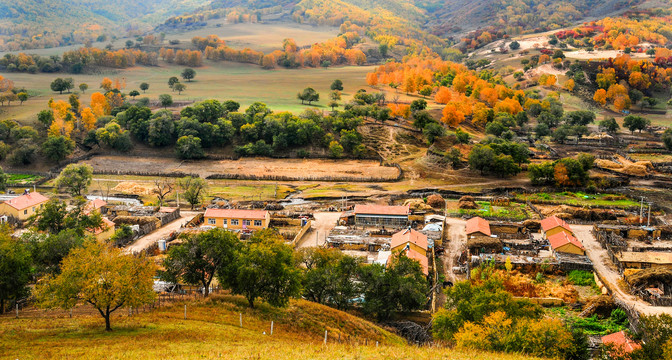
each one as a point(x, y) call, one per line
point(212, 331)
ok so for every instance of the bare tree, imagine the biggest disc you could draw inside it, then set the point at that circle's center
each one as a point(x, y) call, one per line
point(163, 187)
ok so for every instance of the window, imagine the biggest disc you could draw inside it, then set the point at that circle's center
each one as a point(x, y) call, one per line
point(224, 222)
point(257, 222)
point(33, 209)
point(246, 222)
point(212, 221)
point(25, 212)
point(234, 222)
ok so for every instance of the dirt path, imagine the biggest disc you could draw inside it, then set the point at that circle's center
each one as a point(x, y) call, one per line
point(608, 271)
point(161, 233)
point(324, 222)
point(458, 243)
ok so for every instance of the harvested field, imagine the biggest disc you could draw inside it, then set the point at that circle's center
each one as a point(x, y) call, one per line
point(248, 168)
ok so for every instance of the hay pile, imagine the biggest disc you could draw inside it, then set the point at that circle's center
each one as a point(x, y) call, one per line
point(601, 305)
point(639, 168)
point(467, 202)
point(570, 212)
point(436, 201)
point(532, 225)
point(483, 242)
point(649, 277)
point(417, 205)
point(129, 187)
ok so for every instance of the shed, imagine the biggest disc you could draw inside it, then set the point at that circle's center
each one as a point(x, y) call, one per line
point(553, 225)
point(645, 260)
point(566, 243)
point(478, 226)
point(381, 215)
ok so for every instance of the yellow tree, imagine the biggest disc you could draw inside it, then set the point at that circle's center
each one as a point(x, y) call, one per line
point(102, 276)
point(106, 84)
point(372, 79)
point(600, 97)
point(452, 116)
point(88, 119)
point(569, 85)
point(443, 96)
point(99, 105)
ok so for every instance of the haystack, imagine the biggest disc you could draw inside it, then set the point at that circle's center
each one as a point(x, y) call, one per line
point(532, 225)
point(467, 202)
point(417, 205)
point(483, 242)
point(129, 187)
point(436, 201)
point(649, 277)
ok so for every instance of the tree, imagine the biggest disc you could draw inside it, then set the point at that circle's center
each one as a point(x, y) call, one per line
point(15, 269)
point(113, 136)
point(335, 149)
point(57, 148)
point(570, 173)
point(162, 187)
point(609, 125)
point(193, 190)
point(667, 139)
point(83, 87)
point(161, 128)
point(144, 87)
point(432, 131)
point(54, 217)
point(600, 97)
point(188, 74)
point(308, 94)
point(400, 287)
point(657, 331)
point(634, 122)
point(101, 276)
point(337, 85)
point(75, 178)
point(514, 45)
point(165, 100)
point(265, 268)
point(22, 96)
point(59, 85)
point(179, 87)
point(134, 93)
point(542, 174)
point(580, 117)
point(189, 147)
point(200, 257)
point(417, 105)
point(172, 81)
point(106, 84)
point(330, 276)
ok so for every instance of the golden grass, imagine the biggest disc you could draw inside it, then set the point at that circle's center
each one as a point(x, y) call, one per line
point(212, 331)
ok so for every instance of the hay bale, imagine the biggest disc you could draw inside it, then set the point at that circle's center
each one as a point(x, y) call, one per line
point(417, 205)
point(608, 164)
point(436, 201)
point(467, 202)
point(532, 225)
point(130, 187)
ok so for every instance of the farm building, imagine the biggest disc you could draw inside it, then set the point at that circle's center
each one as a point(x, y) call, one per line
point(238, 219)
point(411, 239)
point(411, 254)
point(562, 242)
point(621, 343)
point(381, 215)
point(24, 206)
point(104, 232)
point(553, 225)
point(478, 226)
point(96, 205)
point(630, 232)
point(644, 260)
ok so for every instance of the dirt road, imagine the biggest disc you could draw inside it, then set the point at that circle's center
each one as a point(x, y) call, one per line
point(161, 233)
point(457, 237)
point(608, 271)
point(324, 222)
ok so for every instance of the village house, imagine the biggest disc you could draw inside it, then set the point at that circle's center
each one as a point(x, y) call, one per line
point(410, 238)
point(237, 219)
point(620, 344)
point(553, 225)
point(645, 260)
point(478, 226)
point(104, 232)
point(561, 242)
point(381, 215)
point(24, 206)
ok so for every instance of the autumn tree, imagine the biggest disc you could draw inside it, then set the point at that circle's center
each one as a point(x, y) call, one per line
point(372, 79)
point(452, 116)
point(600, 97)
point(569, 85)
point(102, 276)
point(106, 84)
point(200, 257)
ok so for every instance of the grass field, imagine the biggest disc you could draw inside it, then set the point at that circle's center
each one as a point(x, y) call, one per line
point(244, 83)
point(212, 331)
point(581, 199)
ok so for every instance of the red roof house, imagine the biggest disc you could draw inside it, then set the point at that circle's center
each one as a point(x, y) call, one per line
point(553, 224)
point(414, 239)
point(620, 342)
point(478, 226)
point(563, 242)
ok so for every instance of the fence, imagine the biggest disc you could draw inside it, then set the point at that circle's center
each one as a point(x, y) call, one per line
point(302, 232)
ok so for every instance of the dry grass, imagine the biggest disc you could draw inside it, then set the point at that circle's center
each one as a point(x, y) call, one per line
point(212, 331)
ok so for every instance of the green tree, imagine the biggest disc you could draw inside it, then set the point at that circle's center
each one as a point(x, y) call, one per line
point(45, 117)
point(308, 94)
point(399, 287)
point(4, 178)
point(463, 137)
point(433, 131)
point(609, 125)
point(144, 87)
point(667, 139)
point(75, 178)
point(634, 122)
point(172, 81)
point(514, 45)
point(113, 136)
point(165, 100)
point(193, 190)
point(102, 276)
point(48, 250)
point(23, 153)
point(189, 147)
point(335, 149)
point(330, 276)
point(580, 117)
point(134, 93)
point(54, 217)
point(350, 139)
point(179, 87)
point(161, 128)
point(188, 74)
point(337, 85)
point(200, 257)
point(22, 96)
point(15, 269)
point(542, 174)
point(265, 268)
point(657, 331)
point(59, 85)
point(57, 148)
point(83, 87)
point(417, 105)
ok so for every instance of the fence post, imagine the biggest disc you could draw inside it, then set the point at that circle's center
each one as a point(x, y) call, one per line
point(17, 310)
point(325, 337)
point(271, 327)
point(241, 319)
point(185, 312)
point(71, 313)
point(376, 343)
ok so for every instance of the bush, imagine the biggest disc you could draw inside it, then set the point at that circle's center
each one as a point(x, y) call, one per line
point(581, 278)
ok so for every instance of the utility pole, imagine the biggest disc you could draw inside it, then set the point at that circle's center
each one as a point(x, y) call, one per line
point(641, 210)
point(648, 221)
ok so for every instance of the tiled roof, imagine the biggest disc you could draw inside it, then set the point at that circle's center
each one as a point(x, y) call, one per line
point(562, 239)
point(235, 213)
point(26, 201)
point(553, 222)
point(620, 340)
point(409, 235)
point(651, 257)
point(422, 259)
point(478, 224)
point(106, 224)
point(95, 204)
point(382, 210)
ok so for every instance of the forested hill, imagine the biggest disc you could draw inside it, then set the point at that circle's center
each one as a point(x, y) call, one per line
point(46, 23)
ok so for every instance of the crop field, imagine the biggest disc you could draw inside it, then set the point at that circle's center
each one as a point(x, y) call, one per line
point(212, 331)
point(580, 199)
point(515, 211)
point(244, 83)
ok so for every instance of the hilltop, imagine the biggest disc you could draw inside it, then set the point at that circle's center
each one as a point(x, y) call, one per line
point(213, 331)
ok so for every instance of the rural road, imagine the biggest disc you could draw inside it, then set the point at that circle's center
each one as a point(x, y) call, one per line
point(605, 267)
point(458, 242)
point(324, 222)
point(161, 233)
